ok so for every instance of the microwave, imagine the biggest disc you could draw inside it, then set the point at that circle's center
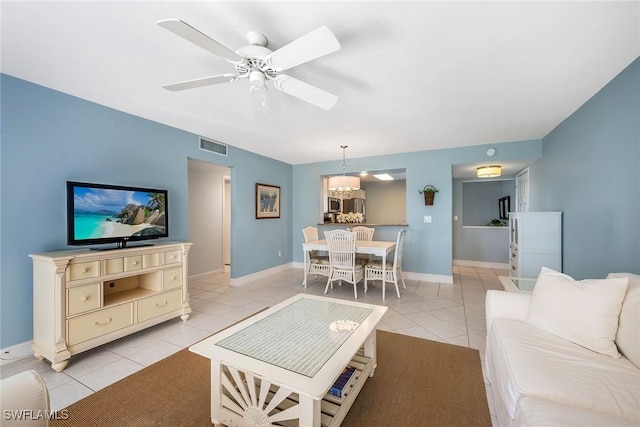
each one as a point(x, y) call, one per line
point(334, 204)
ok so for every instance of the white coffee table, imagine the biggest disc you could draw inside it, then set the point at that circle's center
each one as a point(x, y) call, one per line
point(279, 364)
point(518, 284)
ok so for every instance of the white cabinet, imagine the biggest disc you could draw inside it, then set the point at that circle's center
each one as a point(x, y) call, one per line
point(535, 241)
point(86, 298)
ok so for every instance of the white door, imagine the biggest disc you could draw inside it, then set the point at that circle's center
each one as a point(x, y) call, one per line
point(522, 191)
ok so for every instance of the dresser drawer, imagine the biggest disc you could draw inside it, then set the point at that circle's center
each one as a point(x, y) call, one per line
point(151, 260)
point(83, 298)
point(159, 304)
point(172, 257)
point(83, 270)
point(172, 278)
point(92, 325)
point(113, 266)
point(133, 263)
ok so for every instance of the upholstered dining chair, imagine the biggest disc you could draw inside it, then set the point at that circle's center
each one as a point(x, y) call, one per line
point(316, 263)
point(342, 259)
point(373, 269)
point(363, 233)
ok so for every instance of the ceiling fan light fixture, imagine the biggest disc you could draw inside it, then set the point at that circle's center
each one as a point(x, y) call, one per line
point(259, 63)
point(258, 89)
point(489, 171)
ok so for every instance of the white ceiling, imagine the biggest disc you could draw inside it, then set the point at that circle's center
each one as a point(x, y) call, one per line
point(410, 75)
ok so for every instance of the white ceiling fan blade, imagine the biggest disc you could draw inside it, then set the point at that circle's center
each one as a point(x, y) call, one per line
point(305, 91)
point(313, 45)
point(204, 81)
point(189, 33)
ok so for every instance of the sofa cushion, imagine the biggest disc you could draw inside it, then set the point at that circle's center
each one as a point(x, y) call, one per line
point(533, 411)
point(628, 336)
point(584, 312)
point(527, 361)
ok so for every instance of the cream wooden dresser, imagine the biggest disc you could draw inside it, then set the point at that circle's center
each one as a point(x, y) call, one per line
point(86, 298)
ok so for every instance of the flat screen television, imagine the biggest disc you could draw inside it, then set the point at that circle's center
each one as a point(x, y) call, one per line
point(101, 214)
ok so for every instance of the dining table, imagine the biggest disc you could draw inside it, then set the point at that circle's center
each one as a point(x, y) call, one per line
point(367, 247)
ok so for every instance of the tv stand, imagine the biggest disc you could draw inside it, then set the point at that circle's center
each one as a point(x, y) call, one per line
point(86, 298)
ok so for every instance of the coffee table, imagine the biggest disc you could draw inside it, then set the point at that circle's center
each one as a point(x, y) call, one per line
point(518, 284)
point(277, 366)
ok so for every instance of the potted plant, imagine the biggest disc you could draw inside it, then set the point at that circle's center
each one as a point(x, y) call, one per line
point(429, 192)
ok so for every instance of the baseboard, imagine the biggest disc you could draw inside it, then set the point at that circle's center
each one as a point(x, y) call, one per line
point(239, 281)
point(202, 275)
point(426, 277)
point(481, 264)
point(15, 352)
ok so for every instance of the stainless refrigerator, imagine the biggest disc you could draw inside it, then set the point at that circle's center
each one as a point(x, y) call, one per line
point(353, 205)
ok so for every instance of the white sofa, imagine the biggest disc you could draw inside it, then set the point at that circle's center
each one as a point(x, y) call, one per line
point(541, 376)
point(24, 400)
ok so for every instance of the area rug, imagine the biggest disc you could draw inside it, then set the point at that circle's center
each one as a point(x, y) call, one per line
point(417, 383)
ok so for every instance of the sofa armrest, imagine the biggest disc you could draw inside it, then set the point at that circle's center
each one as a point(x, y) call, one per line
point(24, 399)
point(506, 305)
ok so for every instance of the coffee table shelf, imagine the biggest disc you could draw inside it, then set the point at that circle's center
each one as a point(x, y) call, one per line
point(332, 414)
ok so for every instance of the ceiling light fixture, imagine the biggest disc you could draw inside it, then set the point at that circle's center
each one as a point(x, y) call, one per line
point(384, 177)
point(489, 171)
point(343, 183)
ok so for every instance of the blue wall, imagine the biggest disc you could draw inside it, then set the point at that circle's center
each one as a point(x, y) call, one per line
point(590, 170)
point(49, 137)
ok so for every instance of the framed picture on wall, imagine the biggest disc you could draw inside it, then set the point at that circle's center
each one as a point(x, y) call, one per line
point(267, 201)
point(504, 206)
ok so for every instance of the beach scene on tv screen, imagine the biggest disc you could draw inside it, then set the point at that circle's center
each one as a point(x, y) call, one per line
point(107, 213)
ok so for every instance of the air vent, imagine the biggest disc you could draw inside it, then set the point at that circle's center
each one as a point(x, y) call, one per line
point(214, 147)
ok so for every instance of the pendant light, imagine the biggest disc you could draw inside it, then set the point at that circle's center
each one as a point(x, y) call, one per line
point(343, 183)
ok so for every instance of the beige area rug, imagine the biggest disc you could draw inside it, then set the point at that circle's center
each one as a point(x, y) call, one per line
point(417, 383)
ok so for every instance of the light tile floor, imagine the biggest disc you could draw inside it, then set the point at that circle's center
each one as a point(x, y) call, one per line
point(450, 313)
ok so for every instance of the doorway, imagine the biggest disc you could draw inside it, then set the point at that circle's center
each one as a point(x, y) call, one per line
point(209, 200)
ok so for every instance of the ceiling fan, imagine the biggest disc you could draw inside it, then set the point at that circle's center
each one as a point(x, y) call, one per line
point(260, 64)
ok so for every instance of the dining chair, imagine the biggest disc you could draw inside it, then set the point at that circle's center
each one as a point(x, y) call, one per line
point(316, 263)
point(373, 269)
point(363, 233)
point(342, 259)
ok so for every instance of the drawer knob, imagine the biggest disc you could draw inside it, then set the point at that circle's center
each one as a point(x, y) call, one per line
point(162, 305)
point(103, 324)
point(85, 270)
point(85, 298)
point(173, 277)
